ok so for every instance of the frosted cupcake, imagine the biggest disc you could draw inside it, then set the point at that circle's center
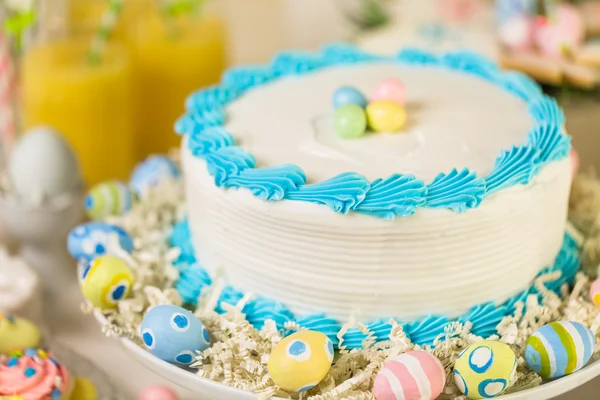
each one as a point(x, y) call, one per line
point(19, 287)
point(34, 375)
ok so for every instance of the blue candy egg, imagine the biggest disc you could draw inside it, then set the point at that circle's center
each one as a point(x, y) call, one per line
point(173, 334)
point(348, 95)
point(89, 241)
point(152, 171)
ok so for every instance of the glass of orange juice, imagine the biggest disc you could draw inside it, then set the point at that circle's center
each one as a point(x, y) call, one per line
point(173, 56)
point(92, 105)
point(84, 16)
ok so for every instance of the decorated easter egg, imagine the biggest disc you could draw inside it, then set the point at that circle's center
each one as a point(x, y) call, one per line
point(415, 375)
point(43, 164)
point(559, 348)
point(152, 171)
point(390, 89)
point(94, 239)
point(348, 95)
point(17, 334)
point(385, 116)
point(84, 390)
point(485, 369)
point(350, 121)
point(157, 393)
point(300, 361)
point(108, 198)
point(105, 281)
point(595, 292)
point(173, 334)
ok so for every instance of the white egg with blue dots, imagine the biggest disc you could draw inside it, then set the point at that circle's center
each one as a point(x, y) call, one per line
point(173, 334)
point(89, 241)
point(152, 171)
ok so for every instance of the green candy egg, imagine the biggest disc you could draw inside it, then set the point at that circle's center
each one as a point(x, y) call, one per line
point(350, 121)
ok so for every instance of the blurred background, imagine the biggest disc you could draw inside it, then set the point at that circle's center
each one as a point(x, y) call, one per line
point(111, 76)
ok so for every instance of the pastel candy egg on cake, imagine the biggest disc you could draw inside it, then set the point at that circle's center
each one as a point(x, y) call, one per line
point(348, 95)
point(108, 198)
point(152, 171)
point(94, 239)
point(17, 334)
point(559, 348)
point(485, 369)
point(385, 116)
point(415, 375)
point(173, 334)
point(390, 89)
point(350, 121)
point(595, 292)
point(157, 393)
point(105, 281)
point(300, 361)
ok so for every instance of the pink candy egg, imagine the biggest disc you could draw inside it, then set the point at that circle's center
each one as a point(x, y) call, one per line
point(157, 393)
point(595, 292)
point(390, 89)
point(415, 375)
point(574, 162)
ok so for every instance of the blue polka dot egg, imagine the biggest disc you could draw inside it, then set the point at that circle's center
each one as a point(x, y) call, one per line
point(485, 369)
point(95, 239)
point(151, 172)
point(300, 361)
point(173, 334)
point(105, 281)
point(559, 348)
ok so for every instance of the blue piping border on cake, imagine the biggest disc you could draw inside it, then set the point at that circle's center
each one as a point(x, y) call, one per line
point(388, 198)
point(484, 318)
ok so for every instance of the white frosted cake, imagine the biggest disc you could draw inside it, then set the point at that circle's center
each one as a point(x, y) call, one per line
point(470, 198)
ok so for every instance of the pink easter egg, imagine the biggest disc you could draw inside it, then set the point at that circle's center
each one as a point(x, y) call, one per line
point(516, 34)
point(563, 31)
point(390, 89)
point(415, 375)
point(595, 292)
point(574, 162)
point(157, 393)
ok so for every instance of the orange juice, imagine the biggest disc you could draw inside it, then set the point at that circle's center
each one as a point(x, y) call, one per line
point(173, 57)
point(91, 105)
point(84, 16)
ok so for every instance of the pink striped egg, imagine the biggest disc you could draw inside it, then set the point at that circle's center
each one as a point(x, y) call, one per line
point(415, 375)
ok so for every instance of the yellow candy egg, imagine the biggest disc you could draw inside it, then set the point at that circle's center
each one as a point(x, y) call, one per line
point(385, 116)
point(105, 281)
point(84, 390)
point(485, 369)
point(300, 361)
point(18, 334)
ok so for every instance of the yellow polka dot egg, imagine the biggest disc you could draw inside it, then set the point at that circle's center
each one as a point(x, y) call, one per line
point(485, 369)
point(300, 361)
point(105, 281)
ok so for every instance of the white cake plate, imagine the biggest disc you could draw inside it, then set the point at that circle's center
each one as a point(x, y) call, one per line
point(211, 390)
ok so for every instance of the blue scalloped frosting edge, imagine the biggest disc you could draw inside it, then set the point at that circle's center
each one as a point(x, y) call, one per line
point(395, 196)
point(484, 317)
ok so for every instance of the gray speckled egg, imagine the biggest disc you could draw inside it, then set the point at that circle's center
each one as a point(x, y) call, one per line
point(43, 165)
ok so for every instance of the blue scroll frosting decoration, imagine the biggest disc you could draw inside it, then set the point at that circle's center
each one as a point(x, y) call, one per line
point(456, 190)
point(550, 141)
point(341, 193)
point(209, 140)
point(484, 318)
point(227, 162)
point(398, 195)
point(270, 183)
point(415, 56)
point(515, 166)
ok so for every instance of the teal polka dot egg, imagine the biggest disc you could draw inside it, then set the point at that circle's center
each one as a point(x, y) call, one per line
point(485, 369)
point(173, 334)
point(559, 348)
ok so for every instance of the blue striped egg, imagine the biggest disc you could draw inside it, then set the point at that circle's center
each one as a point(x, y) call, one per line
point(559, 348)
point(94, 239)
point(108, 198)
point(173, 334)
point(152, 171)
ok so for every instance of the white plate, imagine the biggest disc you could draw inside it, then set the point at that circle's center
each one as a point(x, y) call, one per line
point(211, 390)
